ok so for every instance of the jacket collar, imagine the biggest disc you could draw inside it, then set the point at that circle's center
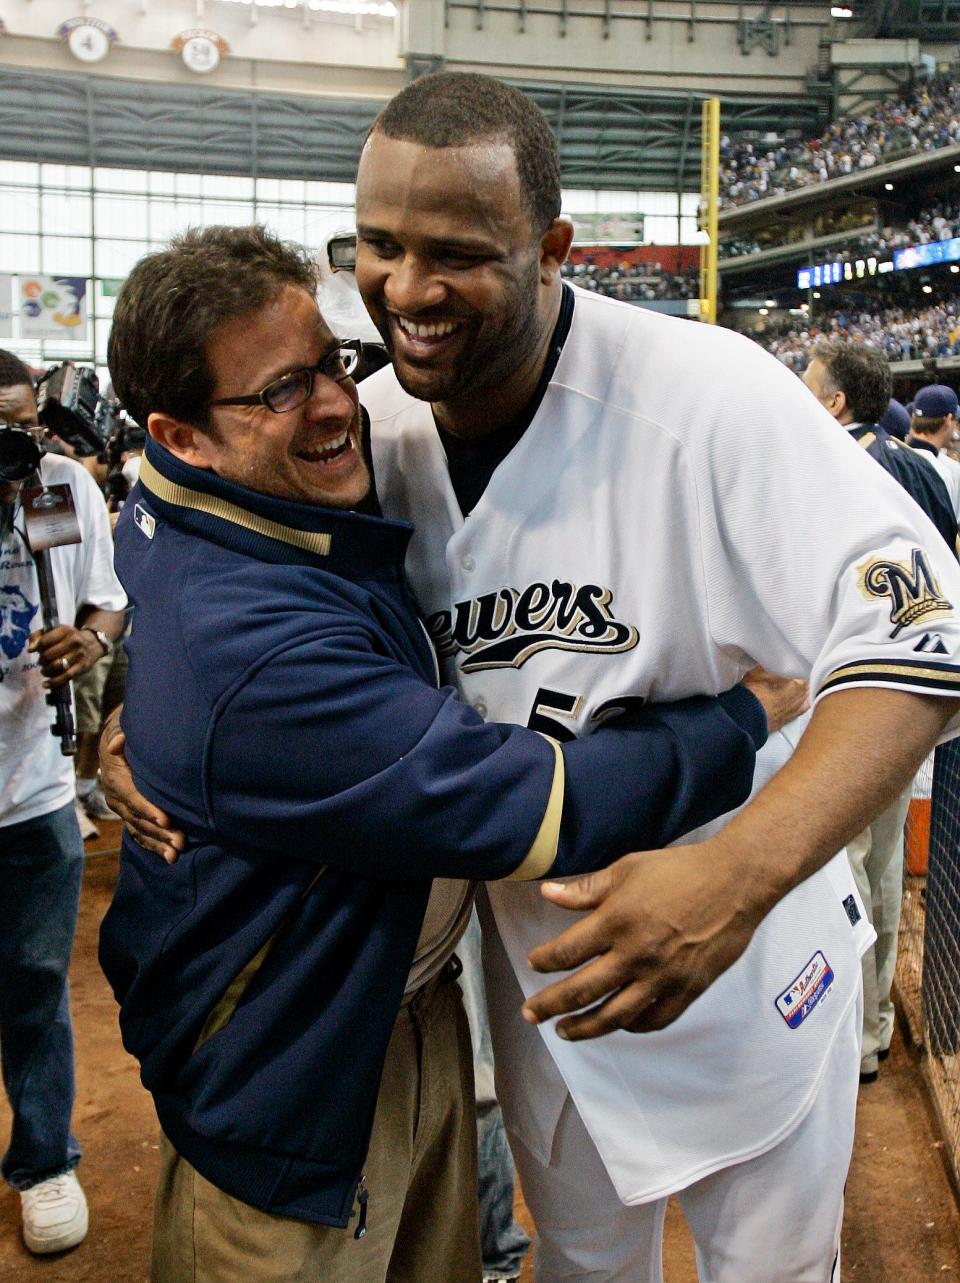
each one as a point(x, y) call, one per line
point(270, 529)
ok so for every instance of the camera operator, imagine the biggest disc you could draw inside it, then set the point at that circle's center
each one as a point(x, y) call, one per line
point(40, 847)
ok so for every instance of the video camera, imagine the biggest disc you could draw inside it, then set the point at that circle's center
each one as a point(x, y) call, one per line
point(71, 407)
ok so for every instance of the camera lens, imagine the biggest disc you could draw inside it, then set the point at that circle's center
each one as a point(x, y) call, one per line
point(19, 454)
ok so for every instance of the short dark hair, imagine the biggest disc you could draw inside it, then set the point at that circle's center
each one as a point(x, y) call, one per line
point(456, 108)
point(860, 371)
point(13, 372)
point(173, 300)
point(924, 427)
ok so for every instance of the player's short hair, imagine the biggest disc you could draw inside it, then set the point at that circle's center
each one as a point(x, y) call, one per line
point(172, 302)
point(860, 371)
point(13, 372)
point(456, 108)
point(926, 427)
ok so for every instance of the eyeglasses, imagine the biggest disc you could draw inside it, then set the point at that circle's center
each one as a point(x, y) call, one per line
point(294, 389)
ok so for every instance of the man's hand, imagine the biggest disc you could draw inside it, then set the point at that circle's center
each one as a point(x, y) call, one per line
point(665, 924)
point(644, 967)
point(783, 698)
point(149, 826)
point(64, 652)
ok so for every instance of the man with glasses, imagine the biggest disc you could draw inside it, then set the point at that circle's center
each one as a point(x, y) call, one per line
point(285, 984)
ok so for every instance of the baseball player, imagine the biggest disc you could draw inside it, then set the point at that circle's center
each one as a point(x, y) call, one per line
point(933, 425)
point(592, 532)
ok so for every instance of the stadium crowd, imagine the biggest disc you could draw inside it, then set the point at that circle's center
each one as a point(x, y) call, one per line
point(926, 119)
point(635, 283)
point(902, 333)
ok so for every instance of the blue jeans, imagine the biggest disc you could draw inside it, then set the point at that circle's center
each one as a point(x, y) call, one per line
point(41, 865)
point(504, 1242)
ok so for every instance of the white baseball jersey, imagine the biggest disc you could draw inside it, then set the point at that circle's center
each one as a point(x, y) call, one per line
point(679, 509)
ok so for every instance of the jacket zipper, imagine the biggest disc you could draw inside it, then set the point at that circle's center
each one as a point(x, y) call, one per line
point(362, 1196)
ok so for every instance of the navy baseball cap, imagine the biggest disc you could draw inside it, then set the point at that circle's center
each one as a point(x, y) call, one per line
point(935, 402)
point(896, 420)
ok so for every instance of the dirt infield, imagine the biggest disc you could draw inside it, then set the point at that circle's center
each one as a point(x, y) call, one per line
point(902, 1223)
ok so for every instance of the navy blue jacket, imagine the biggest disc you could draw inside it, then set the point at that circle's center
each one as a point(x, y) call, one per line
point(916, 474)
point(282, 707)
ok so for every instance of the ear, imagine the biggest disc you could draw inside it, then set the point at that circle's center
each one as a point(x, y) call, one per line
point(554, 247)
point(183, 440)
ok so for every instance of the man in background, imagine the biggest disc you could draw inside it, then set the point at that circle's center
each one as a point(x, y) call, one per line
point(853, 382)
point(41, 852)
point(933, 426)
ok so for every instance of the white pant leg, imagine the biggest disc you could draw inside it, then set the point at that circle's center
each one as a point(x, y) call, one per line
point(777, 1218)
point(888, 895)
point(772, 1219)
point(876, 861)
point(584, 1233)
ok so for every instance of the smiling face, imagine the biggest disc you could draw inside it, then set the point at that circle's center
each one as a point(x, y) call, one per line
point(460, 286)
point(311, 454)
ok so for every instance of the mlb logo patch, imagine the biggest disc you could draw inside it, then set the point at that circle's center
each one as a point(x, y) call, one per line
point(144, 521)
point(809, 988)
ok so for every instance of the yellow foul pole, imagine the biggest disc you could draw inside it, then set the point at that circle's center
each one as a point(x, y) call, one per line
point(709, 201)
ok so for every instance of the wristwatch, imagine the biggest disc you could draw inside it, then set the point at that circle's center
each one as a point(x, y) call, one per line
point(101, 637)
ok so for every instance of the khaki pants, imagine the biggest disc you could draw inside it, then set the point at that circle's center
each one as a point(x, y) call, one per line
point(421, 1174)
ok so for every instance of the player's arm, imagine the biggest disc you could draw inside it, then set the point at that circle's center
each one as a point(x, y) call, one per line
point(665, 924)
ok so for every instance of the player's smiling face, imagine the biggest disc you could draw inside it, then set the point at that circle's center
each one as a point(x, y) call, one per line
point(311, 454)
point(450, 268)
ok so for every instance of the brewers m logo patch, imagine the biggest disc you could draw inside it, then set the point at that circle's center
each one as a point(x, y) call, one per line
point(912, 589)
point(503, 629)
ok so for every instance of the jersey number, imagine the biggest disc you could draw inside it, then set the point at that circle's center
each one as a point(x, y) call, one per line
point(559, 702)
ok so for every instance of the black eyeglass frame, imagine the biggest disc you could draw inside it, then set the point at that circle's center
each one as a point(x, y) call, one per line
point(353, 346)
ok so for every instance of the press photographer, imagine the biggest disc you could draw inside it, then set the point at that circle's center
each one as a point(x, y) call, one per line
point(50, 510)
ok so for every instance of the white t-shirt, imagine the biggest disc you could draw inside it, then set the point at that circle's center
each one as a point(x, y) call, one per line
point(35, 777)
point(949, 469)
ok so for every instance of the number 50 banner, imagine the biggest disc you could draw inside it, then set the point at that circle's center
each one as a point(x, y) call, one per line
point(53, 307)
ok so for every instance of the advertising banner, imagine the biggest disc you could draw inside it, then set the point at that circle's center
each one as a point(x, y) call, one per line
point(53, 307)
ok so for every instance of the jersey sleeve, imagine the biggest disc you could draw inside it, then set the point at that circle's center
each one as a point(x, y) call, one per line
point(816, 562)
point(336, 753)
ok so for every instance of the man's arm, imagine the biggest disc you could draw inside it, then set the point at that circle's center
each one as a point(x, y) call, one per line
point(666, 924)
point(74, 643)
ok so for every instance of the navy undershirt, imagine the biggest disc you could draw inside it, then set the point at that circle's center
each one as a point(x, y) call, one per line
point(472, 463)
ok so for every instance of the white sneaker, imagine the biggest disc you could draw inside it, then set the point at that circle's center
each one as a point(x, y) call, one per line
point(96, 805)
point(87, 827)
point(54, 1214)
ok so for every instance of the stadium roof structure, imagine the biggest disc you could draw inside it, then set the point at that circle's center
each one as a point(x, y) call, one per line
point(935, 20)
point(608, 137)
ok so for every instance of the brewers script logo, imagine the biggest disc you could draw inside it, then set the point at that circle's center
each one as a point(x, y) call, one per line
point(503, 629)
point(912, 589)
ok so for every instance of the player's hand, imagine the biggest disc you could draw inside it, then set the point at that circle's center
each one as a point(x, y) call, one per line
point(783, 698)
point(64, 652)
point(148, 825)
point(664, 925)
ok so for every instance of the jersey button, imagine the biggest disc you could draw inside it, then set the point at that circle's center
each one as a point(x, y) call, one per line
point(480, 706)
point(468, 564)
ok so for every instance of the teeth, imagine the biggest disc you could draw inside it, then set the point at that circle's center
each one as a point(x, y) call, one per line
point(328, 447)
point(436, 329)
